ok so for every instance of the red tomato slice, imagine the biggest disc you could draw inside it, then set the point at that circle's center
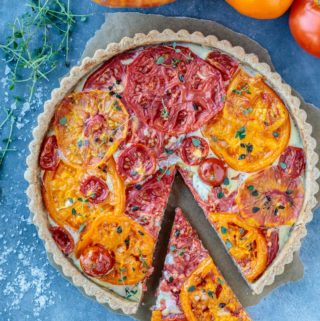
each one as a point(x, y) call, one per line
point(270, 198)
point(212, 171)
point(292, 161)
point(49, 158)
point(140, 133)
point(94, 189)
point(96, 261)
point(111, 75)
point(136, 162)
point(193, 150)
point(166, 85)
point(145, 202)
point(272, 237)
point(224, 63)
point(62, 238)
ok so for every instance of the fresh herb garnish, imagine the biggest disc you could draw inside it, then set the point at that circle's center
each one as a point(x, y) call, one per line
point(82, 227)
point(220, 195)
point(63, 121)
point(226, 181)
point(275, 134)
point(241, 133)
point(243, 89)
point(283, 165)
point(255, 209)
point(191, 288)
point(223, 230)
point(160, 60)
point(247, 111)
point(119, 229)
point(196, 142)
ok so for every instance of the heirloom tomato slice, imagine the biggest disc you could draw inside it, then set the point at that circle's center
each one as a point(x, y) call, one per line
point(220, 303)
point(135, 163)
point(96, 261)
point(157, 316)
point(112, 75)
point(62, 238)
point(166, 85)
point(254, 127)
point(49, 158)
point(270, 198)
point(246, 244)
point(193, 150)
point(224, 63)
point(74, 196)
point(129, 243)
point(89, 127)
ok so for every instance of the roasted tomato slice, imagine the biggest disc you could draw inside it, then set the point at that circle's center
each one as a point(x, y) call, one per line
point(112, 75)
point(96, 261)
point(135, 163)
point(224, 63)
point(145, 202)
point(62, 238)
point(220, 303)
point(89, 127)
point(292, 161)
point(193, 150)
point(94, 189)
point(246, 244)
point(157, 316)
point(272, 237)
point(165, 89)
point(270, 198)
point(254, 127)
point(131, 245)
point(212, 171)
point(49, 158)
point(74, 197)
point(140, 133)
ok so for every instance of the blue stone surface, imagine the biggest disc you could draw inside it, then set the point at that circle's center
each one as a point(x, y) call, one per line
point(30, 288)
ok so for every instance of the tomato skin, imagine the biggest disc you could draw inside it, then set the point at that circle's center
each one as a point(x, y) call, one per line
point(261, 9)
point(62, 238)
point(193, 150)
point(95, 189)
point(304, 22)
point(136, 162)
point(49, 158)
point(292, 162)
point(96, 261)
point(212, 171)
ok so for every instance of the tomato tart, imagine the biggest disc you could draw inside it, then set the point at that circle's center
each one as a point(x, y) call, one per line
point(111, 140)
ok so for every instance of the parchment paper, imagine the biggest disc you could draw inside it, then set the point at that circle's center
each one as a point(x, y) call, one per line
point(119, 25)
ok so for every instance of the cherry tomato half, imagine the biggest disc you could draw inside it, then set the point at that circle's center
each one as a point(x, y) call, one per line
point(136, 162)
point(304, 24)
point(62, 238)
point(96, 261)
point(292, 161)
point(193, 150)
point(95, 189)
point(212, 171)
point(49, 158)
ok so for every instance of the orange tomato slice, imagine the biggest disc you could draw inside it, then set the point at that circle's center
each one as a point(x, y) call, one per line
point(246, 244)
point(205, 296)
point(131, 246)
point(270, 198)
point(132, 3)
point(67, 205)
point(254, 127)
point(89, 127)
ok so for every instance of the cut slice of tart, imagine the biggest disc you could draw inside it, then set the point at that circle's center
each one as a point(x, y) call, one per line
point(192, 288)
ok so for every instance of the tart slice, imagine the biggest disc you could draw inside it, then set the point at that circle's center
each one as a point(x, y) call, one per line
point(192, 288)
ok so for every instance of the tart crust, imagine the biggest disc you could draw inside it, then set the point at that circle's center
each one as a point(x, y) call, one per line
point(68, 83)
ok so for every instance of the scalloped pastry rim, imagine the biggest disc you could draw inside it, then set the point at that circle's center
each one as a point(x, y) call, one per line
point(67, 84)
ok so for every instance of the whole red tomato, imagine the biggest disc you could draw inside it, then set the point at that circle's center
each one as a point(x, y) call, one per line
point(304, 24)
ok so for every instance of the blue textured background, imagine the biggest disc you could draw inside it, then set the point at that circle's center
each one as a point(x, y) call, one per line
point(30, 288)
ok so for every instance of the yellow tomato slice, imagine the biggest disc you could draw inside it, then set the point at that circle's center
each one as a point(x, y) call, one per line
point(270, 198)
point(254, 127)
point(131, 245)
point(67, 205)
point(205, 296)
point(246, 244)
point(89, 127)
